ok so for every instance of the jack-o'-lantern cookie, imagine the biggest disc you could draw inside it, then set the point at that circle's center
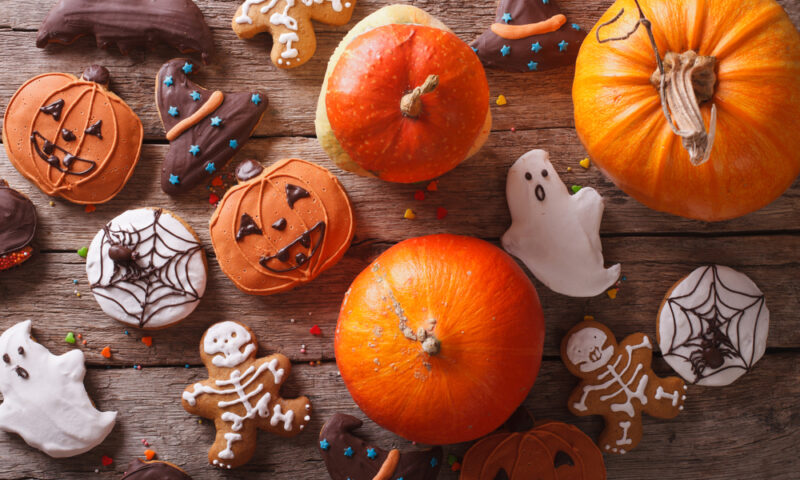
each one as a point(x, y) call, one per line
point(205, 128)
point(281, 226)
point(73, 138)
point(17, 226)
point(154, 470)
point(289, 22)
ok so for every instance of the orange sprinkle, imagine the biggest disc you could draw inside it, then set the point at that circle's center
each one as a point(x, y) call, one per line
point(80, 336)
point(149, 454)
point(106, 352)
point(433, 186)
point(217, 181)
point(612, 294)
point(147, 340)
point(90, 208)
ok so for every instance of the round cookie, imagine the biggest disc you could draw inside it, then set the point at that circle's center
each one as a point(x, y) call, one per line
point(281, 226)
point(154, 470)
point(713, 325)
point(73, 137)
point(147, 268)
point(17, 226)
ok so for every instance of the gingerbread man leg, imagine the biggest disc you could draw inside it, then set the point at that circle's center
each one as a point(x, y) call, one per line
point(229, 448)
point(621, 433)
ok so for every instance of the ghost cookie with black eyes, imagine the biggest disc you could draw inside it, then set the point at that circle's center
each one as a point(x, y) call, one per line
point(282, 226)
point(556, 235)
point(73, 138)
point(44, 400)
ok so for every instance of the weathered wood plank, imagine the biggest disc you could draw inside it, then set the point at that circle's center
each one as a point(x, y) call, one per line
point(724, 433)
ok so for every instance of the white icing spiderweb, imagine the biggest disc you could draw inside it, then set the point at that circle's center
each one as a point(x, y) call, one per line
point(156, 278)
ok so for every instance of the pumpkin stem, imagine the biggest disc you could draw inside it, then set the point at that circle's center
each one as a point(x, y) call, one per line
point(684, 81)
point(411, 103)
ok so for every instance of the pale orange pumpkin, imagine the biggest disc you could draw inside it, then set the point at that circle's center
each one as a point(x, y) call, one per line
point(440, 338)
point(753, 81)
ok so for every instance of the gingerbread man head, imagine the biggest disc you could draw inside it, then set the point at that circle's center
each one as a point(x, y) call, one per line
point(589, 347)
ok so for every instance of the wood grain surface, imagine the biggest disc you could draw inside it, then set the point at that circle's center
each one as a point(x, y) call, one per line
point(749, 430)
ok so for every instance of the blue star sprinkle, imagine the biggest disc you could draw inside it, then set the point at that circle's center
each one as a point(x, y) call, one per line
point(187, 68)
point(535, 47)
point(324, 444)
point(195, 95)
point(506, 17)
point(255, 98)
point(174, 179)
point(533, 65)
point(575, 26)
point(216, 122)
point(505, 50)
point(194, 150)
point(545, 1)
point(173, 111)
point(233, 144)
point(474, 49)
point(434, 462)
point(211, 168)
point(348, 452)
point(562, 46)
point(168, 80)
point(371, 453)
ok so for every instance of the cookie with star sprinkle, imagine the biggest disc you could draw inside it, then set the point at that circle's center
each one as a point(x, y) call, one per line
point(205, 128)
point(529, 36)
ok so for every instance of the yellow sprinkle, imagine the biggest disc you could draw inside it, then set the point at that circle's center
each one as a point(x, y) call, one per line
point(569, 169)
point(78, 294)
point(501, 100)
point(409, 214)
point(52, 203)
point(585, 162)
point(612, 294)
point(588, 317)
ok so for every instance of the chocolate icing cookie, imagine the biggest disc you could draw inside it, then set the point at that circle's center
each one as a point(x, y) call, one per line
point(528, 36)
point(129, 24)
point(205, 128)
point(348, 457)
point(17, 226)
point(139, 470)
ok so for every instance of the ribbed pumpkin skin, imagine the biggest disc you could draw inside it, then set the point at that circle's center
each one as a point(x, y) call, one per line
point(618, 115)
point(489, 322)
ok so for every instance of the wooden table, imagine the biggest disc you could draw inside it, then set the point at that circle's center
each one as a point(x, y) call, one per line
point(749, 430)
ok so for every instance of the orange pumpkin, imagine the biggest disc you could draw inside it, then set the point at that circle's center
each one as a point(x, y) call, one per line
point(747, 74)
point(406, 102)
point(440, 338)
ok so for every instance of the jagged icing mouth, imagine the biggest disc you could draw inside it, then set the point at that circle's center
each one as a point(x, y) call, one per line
point(47, 152)
point(596, 354)
point(300, 258)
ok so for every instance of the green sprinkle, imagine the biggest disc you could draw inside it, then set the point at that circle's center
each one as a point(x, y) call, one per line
point(83, 250)
point(70, 338)
point(576, 188)
point(451, 459)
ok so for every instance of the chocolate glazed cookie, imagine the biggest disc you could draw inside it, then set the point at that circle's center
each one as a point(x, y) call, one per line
point(139, 470)
point(17, 226)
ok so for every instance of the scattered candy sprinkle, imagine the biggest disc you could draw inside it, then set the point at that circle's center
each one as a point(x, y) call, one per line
point(147, 341)
point(213, 198)
point(455, 467)
point(585, 162)
point(612, 294)
point(149, 454)
point(433, 186)
point(501, 100)
point(315, 330)
point(576, 188)
point(513, 129)
point(78, 294)
point(75, 281)
point(217, 181)
point(52, 203)
point(89, 208)
point(419, 195)
point(588, 317)
point(409, 214)
point(106, 352)
point(441, 212)
point(83, 251)
point(624, 278)
point(451, 459)
point(106, 460)
point(70, 338)
point(125, 332)
point(80, 336)
point(84, 342)
point(569, 169)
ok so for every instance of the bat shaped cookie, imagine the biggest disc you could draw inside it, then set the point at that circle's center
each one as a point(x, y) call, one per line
point(205, 128)
point(129, 24)
point(348, 457)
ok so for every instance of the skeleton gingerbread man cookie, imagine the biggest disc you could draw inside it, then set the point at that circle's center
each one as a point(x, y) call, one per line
point(242, 395)
point(618, 383)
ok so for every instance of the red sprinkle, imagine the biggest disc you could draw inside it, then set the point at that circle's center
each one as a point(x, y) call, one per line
point(213, 198)
point(106, 352)
point(90, 208)
point(315, 330)
point(147, 340)
point(419, 195)
point(217, 181)
point(433, 186)
point(106, 460)
point(513, 130)
point(441, 212)
point(455, 467)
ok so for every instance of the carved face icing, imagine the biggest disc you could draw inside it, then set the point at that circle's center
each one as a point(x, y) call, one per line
point(585, 349)
point(227, 340)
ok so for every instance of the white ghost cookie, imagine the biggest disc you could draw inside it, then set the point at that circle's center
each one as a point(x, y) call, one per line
point(556, 235)
point(44, 400)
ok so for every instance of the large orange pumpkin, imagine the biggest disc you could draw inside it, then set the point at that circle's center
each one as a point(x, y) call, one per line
point(440, 338)
point(748, 69)
point(405, 101)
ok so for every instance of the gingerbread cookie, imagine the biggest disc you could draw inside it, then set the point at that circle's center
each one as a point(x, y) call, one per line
point(154, 470)
point(713, 326)
point(147, 268)
point(617, 383)
point(205, 128)
point(529, 36)
point(44, 400)
point(550, 450)
point(73, 138)
point(17, 226)
point(289, 23)
point(281, 226)
point(129, 24)
point(348, 457)
point(242, 395)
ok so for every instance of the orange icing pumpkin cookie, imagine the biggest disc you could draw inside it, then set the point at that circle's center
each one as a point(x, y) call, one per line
point(73, 138)
point(281, 226)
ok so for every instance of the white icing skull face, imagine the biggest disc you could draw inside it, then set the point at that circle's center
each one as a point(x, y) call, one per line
point(225, 341)
point(585, 349)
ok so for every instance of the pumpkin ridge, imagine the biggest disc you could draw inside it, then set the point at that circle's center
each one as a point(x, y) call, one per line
point(697, 29)
point(243, 191)
point(757, 24)
point(103, 164)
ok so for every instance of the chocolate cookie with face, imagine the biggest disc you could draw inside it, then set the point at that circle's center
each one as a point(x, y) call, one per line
point(73, 138)
point(17, 226)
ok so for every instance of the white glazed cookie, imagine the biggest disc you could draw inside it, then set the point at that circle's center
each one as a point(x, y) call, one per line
point(713, 325)
point(147, 268)
point(556, 235)
point(44, 400)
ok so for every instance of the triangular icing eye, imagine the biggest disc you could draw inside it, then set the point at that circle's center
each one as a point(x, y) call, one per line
point(295, 193)
point(247, 226)
point(95, 129)
point(562, 458)
point(54, 109)
point(501, 475)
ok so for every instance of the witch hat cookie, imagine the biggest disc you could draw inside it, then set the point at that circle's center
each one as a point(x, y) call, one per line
point(205, 128)
point(529, 36)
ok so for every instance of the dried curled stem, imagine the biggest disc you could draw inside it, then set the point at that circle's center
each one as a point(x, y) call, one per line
point(411, 103)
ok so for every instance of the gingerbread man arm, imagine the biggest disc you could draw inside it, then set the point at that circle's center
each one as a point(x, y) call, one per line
point(584, 401)
point(286, 417)
point(667, 397)
point(640, 347)
point(197, 401)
